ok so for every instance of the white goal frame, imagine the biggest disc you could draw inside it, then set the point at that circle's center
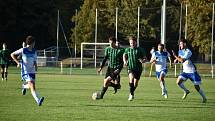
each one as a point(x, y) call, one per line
point(87, 43)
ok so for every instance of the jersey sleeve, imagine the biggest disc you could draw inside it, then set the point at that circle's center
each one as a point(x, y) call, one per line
point(153, 55)
point(18, 52)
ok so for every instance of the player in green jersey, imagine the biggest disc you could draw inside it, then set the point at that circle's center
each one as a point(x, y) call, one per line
point(114, 54)
point(4, 61)
point(133, 58)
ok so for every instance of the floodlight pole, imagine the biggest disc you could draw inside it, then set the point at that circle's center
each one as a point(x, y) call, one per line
point(116, 22)
point(163, 38)
point(81, 55)
point(185, 36)
point(138, 27)
point(180, 24)
point(58, 19)
point(96, 34)
point(212, 44)
point(76, 14)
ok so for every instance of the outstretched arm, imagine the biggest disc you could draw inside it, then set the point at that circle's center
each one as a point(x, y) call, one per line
point(102, 65)
point(177, 58)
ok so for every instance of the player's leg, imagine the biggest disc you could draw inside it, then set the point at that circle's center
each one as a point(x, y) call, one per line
point(180, 82)
point(105, 86)
point(34, 93)
point(196, 79)
point(162, 84)
point(6, 72)
point(2, 72)
point(131, 85)
point(117, 82)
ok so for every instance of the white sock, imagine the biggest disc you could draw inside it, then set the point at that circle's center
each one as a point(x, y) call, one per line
point(34, 94)
point(25, 86)
point(183, 87)
point(202, 94)
point(162, 85)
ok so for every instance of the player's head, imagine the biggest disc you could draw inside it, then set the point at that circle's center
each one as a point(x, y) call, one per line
point(161, 47)
point(183, 44)
point(112, 41)
point(133, 42)
point(30, 40)
point(4, 45)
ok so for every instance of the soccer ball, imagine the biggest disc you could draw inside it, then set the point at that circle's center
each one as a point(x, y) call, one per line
point(96, 95)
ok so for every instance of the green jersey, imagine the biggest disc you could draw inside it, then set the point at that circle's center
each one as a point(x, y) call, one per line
point(115, 57)
point(133, 56)
point(4, 56)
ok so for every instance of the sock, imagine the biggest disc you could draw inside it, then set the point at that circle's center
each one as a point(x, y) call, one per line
point(183, 87)
point(25, 86)
point(162, 85)
point(104, 89)
point(34, 94)
point(202, 94)
point(132, 88)
point(2, 75)
point(5, 74)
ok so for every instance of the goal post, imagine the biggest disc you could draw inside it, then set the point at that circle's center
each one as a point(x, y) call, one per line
point(82, 49)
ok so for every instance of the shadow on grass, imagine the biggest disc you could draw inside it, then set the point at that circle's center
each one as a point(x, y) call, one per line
point(148, 106)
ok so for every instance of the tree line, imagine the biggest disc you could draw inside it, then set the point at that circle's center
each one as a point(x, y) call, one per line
point(39, 18)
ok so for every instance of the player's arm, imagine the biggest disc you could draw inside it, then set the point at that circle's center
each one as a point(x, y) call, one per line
point(35, 61)
point(177, 58)
point(35, 65)
point(153, 59)
point(143, 59)
point(170, 60)
point(125, 59)
point(103, 64)
point(14, 56)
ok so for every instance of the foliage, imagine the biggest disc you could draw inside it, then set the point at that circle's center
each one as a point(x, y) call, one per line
point(199, 24)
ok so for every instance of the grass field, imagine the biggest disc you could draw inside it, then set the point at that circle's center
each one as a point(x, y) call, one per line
point(68, 98)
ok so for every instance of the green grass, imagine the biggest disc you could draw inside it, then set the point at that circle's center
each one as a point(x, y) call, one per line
point(68, 98)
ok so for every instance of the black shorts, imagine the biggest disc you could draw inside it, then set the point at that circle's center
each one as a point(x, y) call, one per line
point(113, 73)
point(4, 66)
point(136, 73)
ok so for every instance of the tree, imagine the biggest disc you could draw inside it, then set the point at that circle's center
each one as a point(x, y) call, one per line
point(199, 24)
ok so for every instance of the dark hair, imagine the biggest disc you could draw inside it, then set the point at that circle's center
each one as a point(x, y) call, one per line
point(160, 44)
point(112, 39)
point(30, 40)
point(133, 38)
point(183, 40)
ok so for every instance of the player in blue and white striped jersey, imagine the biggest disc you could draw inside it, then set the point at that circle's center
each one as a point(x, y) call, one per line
point(189, 71)
point(159, 58)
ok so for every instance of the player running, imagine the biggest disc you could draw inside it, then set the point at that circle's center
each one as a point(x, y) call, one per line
point(114, 54)
point(189, 71)
point(133, 58)
point(159, 58)
point(29, 66)
point(4, 61)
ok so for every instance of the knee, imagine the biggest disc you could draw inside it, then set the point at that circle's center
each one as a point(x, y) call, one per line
point(178, 82)
point(197, 87)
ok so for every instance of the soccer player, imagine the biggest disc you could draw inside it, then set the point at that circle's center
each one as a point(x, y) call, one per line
point(29, 66)
point(189, 70)
point(159, 58)
point(133, 58)
point(4, 61)
point(115, 56)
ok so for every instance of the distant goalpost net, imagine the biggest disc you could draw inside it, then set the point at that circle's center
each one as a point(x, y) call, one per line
point(91, 51)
